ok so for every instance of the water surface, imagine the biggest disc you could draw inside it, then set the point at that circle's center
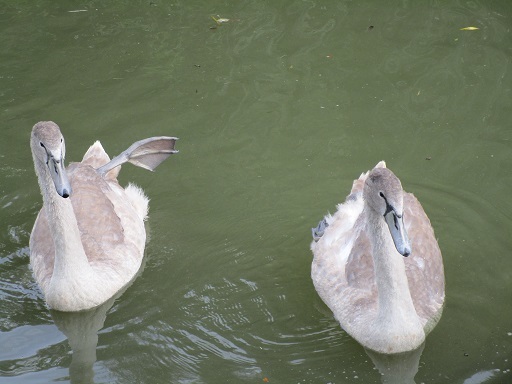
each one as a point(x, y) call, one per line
point(277, 111)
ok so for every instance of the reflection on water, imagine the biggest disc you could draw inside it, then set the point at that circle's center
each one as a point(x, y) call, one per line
point(277, 110)
point(399, 368)
point(481, 377)
point(81, 330)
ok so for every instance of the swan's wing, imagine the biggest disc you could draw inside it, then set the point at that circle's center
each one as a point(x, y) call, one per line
point(342, 268)
point(424, 267)
point(148, 153)
point(360, 269)
point(336, 235)
point(95, 202)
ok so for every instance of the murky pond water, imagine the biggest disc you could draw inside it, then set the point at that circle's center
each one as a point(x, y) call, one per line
point(277, 110)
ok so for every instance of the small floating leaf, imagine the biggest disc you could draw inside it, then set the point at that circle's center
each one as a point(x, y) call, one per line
point(469, 29)
point(219, 20)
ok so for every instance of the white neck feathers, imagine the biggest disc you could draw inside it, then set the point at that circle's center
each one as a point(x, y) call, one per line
point(396, 318)
point(71, 267)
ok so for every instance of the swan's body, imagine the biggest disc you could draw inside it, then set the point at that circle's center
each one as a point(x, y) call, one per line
point(386, 301)
point(88, 239)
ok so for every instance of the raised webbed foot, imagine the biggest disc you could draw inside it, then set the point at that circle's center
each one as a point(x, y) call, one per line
point(318, 232)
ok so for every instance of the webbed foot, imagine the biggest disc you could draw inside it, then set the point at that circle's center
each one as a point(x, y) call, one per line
point(147, 153)
point(318, 232)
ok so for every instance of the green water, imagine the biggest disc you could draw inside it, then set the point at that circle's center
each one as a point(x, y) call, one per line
point(277, 111)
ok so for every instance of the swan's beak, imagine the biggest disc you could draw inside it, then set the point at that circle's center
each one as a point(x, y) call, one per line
point(398, 232)
point(59, 176)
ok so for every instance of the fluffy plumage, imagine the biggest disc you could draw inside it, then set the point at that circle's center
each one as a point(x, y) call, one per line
point(88, 239)
point(384, 300)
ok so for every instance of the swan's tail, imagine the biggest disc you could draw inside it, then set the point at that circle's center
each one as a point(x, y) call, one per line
point(138, 199)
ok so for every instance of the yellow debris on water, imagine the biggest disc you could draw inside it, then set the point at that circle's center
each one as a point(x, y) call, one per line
point(469, 29)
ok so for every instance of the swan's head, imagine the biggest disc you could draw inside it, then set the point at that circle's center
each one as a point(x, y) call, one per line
point(384, 194)
point(49, 149)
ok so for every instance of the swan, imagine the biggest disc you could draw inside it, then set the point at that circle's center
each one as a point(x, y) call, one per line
point(377, 265)
point(88, 239)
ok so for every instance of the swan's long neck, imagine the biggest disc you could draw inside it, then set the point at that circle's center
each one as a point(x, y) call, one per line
point(396, 308)
point(70, 259)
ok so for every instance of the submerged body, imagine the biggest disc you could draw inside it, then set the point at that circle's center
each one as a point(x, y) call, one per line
point(88, 239)
point(378, 267)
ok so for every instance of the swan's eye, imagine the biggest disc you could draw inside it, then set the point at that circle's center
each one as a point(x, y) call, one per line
point(42, 145)
point(381, 195)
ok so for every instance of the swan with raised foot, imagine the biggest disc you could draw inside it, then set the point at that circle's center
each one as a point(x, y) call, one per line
point(377, 265)
point(89, 237)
